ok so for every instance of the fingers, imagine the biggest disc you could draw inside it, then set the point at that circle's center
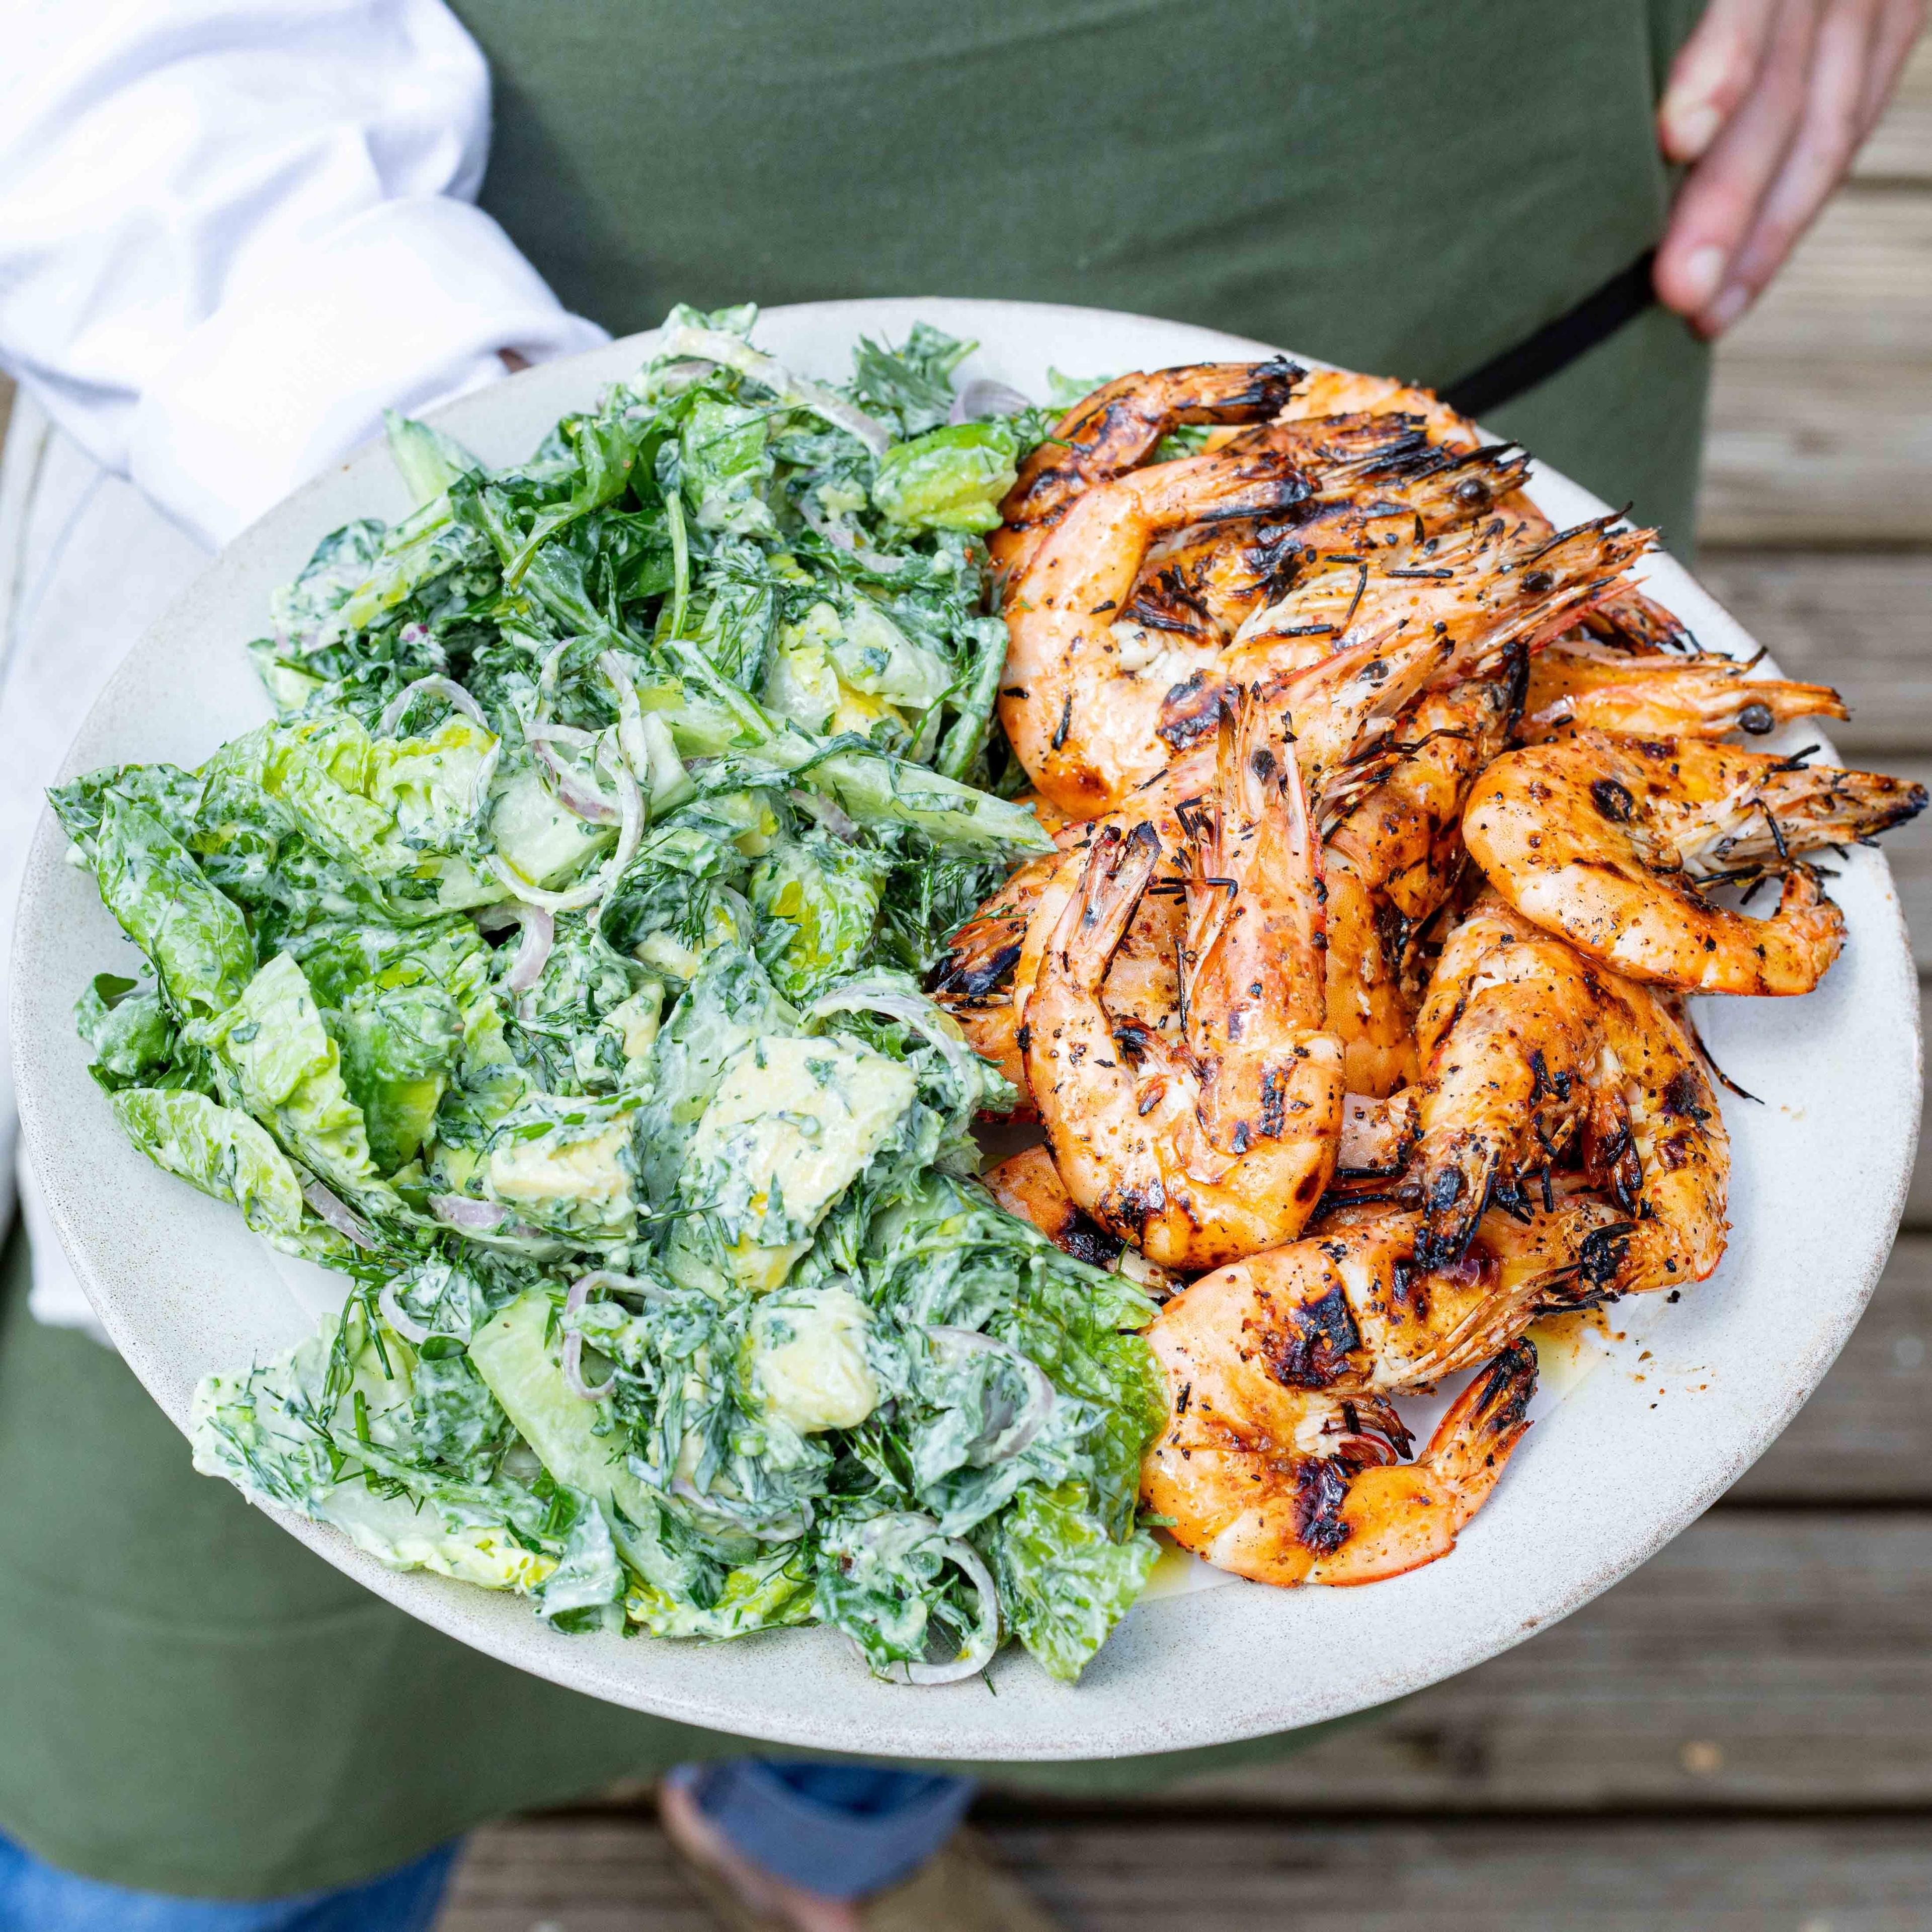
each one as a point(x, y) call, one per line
point(1712, 75)
point(1719, 201)
point(1770, 99)
point(1821, 150)
point(1899, 24)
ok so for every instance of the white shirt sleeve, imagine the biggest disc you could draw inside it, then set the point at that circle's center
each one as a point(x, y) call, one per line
point(233, 232)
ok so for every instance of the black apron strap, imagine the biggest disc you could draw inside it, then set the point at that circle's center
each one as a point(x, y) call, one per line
point(1557, 344)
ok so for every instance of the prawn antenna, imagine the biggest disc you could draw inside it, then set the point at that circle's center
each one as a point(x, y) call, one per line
point(1709, 1059)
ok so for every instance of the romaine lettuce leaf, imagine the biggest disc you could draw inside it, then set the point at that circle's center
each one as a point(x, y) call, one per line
point(198, 941)
point(948, 479)
point(132, 1039)
point(1064, 1581)
point(289, 1072)
point(328, 1431)
point(216, 1149)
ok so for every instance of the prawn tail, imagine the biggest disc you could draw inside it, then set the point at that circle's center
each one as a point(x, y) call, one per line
point(1398, 1519)
point(1459, 1176)
point(1810, 926)
point(1484, 1423)
point(978, 961)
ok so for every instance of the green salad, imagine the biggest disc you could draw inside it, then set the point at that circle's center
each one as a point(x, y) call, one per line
point(551, 967)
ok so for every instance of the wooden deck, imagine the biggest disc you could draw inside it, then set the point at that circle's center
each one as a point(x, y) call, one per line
point(1739, 1735)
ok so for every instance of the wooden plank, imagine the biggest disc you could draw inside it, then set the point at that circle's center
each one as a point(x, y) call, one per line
point(1908, 849)
point(1861, 620)
point(1804, 450)
point(1766, 1659)
point(1900, 147)
point(1367, 1876)
point(1866, 1435)
point(1122, 1875)
point(1857, 288)
point(575, 1874)
point(1918, 1200)
point(1821, 410)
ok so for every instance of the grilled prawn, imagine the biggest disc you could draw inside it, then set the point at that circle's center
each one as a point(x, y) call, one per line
point(1607, 840)
point(1219, 1143)
point(1535, 1059)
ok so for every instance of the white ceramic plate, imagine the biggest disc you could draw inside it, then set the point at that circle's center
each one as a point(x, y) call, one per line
point(1631, 1457)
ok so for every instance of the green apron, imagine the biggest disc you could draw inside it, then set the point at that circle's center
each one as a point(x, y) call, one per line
point(190, 1701)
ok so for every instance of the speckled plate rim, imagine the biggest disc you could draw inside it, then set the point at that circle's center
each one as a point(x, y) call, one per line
point(1615, 1472)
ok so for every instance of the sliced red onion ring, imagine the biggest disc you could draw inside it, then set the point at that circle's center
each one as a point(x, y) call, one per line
point(787, 1529)
point(714, 345)
point(533, 952)
point(679, 376)
point(630, 716)
point(631, 830)
point(338, 1214)
point(388, 1305)
point(573, 1345)
point(835, 819)
point(547, 676)
point(983, 397)
point(457, 699)
point(985, 1640)
point(574, 793)
point(913, 1009)
point(561, 734)
point(472, 1216)
point(646, 742)
point(620, 1284)
point(816, 519)
point(447, 688)
point(1032, 1413)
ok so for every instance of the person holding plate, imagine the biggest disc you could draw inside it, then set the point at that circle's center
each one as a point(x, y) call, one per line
point(233, 232)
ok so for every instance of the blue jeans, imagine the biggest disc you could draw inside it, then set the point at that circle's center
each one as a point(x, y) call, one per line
point(36, 1897)
point(840, 1830)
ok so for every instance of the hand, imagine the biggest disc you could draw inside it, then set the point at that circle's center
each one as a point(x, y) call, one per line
point(1768, 100)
